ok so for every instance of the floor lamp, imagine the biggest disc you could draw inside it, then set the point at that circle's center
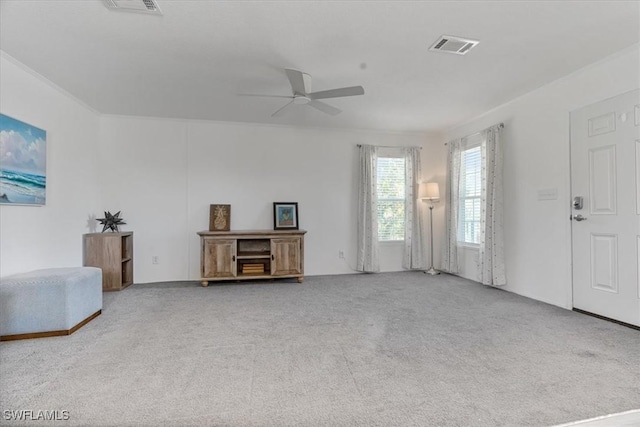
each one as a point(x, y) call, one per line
point(430, 192)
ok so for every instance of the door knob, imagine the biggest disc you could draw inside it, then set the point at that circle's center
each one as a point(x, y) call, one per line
point(579, 218)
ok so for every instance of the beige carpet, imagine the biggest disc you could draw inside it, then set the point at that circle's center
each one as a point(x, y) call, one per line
point(402, 349)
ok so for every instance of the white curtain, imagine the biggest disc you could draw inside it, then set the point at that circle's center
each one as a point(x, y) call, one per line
point(491, 268)
point(450, 246)
point(413, 257)
point(368, 258)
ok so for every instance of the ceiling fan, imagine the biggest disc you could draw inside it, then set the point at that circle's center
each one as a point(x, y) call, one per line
point(302, 95)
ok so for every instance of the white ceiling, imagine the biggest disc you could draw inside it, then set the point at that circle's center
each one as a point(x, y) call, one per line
point(194, 60)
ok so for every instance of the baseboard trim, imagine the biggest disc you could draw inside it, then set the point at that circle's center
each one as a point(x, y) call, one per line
point(50, 333)
point(628, 325)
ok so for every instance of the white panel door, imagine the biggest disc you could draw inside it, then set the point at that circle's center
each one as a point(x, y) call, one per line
point(605, 173)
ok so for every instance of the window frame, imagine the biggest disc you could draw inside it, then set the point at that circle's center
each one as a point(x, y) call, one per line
point(392, 153)
point(468, 143)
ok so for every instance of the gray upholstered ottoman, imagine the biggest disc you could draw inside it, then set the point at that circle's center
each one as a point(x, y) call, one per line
point(45, 303)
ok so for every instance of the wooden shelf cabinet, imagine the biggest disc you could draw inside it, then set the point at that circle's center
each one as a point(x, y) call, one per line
point(113, 253)
point(251, 254)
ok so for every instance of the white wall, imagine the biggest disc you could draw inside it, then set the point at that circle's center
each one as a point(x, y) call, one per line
point(164, 174)
point(50, 236)
point(143, 166)
point(536, 134)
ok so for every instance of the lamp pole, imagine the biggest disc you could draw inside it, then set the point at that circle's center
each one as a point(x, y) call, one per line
point(431, 270)
point(430, 192)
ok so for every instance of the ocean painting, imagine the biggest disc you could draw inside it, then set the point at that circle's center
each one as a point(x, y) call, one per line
point(23, 158)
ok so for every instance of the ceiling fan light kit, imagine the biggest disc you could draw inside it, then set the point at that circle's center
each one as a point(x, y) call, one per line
point(301, 100)
point(301, 94)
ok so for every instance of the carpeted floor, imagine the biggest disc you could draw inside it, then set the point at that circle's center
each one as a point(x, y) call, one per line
point(397, 349)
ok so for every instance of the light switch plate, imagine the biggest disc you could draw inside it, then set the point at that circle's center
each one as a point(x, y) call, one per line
point(548, 194)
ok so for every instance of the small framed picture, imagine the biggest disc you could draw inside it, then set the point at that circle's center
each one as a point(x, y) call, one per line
point(219, 217)
point(285, 216)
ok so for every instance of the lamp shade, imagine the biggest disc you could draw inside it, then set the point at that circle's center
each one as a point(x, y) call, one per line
point(429, 191)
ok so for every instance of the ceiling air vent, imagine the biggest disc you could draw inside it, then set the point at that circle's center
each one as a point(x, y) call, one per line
point(140, 6)
point(452, 44)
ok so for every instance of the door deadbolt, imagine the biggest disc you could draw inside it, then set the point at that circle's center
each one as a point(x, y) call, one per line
point(577, 203)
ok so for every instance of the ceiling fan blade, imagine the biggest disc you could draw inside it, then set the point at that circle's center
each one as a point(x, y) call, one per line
point(336, 93)
point(298, 82)
point(325, 108)
point(282, 110)
point(264, 96)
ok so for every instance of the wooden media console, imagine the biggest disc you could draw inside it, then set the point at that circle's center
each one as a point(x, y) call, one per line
point(251, 254)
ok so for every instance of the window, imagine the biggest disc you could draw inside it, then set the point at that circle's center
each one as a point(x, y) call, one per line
point(391, 199)
point(469, 195)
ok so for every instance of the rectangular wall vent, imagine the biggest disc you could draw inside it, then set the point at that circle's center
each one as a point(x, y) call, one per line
point(452, 44)
point(138, 6)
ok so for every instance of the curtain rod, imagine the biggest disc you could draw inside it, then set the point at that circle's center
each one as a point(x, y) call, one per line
point(501, 125)
point(389, 146)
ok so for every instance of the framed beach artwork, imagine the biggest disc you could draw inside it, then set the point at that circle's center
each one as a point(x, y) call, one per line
point(23, 158)
point(285, 216)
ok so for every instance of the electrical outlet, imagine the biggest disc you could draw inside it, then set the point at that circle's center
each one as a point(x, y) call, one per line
point(341, 254)
point(155, 259)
